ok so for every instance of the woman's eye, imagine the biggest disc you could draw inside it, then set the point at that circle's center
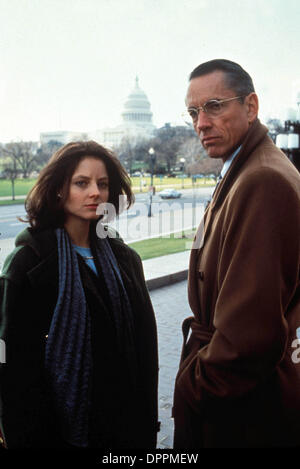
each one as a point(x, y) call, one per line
point(103, 185)
point(80, 183)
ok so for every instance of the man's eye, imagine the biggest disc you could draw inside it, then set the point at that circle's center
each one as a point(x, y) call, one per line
point(193, 113)
point(213, 106)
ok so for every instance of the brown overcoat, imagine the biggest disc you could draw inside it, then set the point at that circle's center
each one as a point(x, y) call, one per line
point(238, 384)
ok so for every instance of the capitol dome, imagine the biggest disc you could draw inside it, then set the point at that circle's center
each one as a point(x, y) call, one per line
point(137, 108)
point(136, 121)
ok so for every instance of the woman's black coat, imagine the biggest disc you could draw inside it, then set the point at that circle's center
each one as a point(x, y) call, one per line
point(28, 292)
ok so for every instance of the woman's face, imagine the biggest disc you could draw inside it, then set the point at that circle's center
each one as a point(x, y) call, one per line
point(89, 187)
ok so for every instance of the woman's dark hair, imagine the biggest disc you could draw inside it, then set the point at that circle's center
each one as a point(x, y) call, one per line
point(236, 77)
point(45, 209)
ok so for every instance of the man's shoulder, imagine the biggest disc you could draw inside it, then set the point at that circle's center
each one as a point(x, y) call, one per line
point(268, 155)
point(268, 165)
point(265, 187)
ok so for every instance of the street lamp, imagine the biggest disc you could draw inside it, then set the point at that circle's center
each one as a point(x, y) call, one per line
point(152, 161)
point(182, 161)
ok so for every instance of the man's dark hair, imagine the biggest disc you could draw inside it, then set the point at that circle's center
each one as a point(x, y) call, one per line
point(45, 209)
point(236, 77)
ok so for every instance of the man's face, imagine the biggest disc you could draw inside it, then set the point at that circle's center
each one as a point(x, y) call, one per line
point(220, 135)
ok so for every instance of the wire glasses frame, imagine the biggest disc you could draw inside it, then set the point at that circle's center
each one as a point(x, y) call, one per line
point(212, 108)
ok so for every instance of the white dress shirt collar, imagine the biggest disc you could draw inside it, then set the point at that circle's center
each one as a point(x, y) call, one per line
point(228, 162)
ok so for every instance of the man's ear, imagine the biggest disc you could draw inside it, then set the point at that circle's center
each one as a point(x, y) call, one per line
point(251, 102)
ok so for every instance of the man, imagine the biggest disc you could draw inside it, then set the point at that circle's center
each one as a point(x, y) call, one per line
point(238, 383)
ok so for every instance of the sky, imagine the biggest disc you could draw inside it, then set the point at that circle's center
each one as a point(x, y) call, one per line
point(70, 64)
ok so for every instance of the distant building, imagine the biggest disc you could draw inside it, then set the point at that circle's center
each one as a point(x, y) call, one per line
point(136, 120)
point(289, 139)
point(62, 136)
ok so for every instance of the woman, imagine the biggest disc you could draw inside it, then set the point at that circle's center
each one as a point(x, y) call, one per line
point(79, 329)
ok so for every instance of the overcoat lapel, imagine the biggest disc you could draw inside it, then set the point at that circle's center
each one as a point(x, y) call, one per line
point(254, 136)
point(195, 251)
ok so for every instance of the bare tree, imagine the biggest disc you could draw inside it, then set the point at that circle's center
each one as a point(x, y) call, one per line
point(167, 141)
point(207, 166)
point(275, 127)
point(22, 156)
point(126, 152)
point(11, 172)
point(192, 151)
point(45, 151)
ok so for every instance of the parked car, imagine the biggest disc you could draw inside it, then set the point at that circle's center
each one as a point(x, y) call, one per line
point(169, 194)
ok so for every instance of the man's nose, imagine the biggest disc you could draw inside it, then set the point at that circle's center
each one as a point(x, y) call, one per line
point(203, 121)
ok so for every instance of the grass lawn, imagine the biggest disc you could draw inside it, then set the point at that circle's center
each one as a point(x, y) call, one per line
point(12, 202)
point(142, 184)
point(156, 247)
point(22, 186)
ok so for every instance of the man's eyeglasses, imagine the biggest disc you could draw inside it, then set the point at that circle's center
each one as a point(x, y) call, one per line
point(212, 108)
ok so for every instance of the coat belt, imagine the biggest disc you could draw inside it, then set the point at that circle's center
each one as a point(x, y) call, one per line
point(200, 331)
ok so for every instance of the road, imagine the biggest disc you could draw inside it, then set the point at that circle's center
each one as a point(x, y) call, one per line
point(134, 224)
point(10, 226)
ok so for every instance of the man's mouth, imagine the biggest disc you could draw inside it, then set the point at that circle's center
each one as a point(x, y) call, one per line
point(209, 140)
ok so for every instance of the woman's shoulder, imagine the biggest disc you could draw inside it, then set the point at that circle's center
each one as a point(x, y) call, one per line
point(121, 248)
point(21, 260)
point(30, 248)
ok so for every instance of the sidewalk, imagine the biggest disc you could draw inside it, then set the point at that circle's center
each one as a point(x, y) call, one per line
point(159, 271)
point(166, 270)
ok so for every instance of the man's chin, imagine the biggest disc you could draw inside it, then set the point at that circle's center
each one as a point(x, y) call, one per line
point(213, 153)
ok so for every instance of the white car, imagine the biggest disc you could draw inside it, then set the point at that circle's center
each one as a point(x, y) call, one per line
point(169, 194)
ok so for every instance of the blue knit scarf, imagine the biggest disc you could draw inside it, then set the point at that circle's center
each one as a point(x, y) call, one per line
point(68, 355)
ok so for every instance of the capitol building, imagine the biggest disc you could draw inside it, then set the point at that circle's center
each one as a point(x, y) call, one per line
point(136, 123)
point(136, 120)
